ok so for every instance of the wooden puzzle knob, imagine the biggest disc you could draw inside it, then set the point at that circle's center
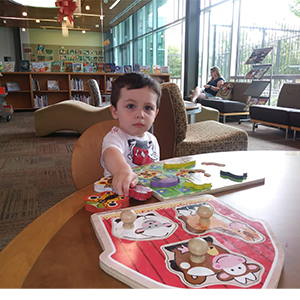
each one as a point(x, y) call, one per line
point(198, 248)
point(205, 211)
point(128, 217)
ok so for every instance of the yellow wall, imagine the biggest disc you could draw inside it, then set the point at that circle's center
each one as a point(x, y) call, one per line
point(54, 37)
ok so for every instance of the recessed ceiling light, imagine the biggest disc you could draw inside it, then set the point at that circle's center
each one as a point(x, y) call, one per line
point(101, 17)
point(4, 21)
point(23, 29)
point(83, 31)
point(87, 7)
point(37, 21)
point(97, 25)
point(24, 14)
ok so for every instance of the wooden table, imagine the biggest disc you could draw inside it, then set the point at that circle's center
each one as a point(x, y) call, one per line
point(60, 250)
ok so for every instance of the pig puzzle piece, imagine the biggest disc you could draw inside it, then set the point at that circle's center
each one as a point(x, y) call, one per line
point(107, 200)
point(139, 192)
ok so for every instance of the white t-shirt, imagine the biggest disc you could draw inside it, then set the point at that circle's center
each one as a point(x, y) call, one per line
point(136, 150)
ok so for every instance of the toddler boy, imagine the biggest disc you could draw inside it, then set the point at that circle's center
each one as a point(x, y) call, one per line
point(135, 99)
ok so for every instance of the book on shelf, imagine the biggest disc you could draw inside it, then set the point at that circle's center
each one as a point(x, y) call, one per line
point(146, 69)
point(127, 68)
point(77, 67)
point(88, 67)
point(9, 66)
point(52, 85)
point(136, 68)
point(76, 84)
point(24, 65)
point(255, 101)
point(38, 67)
point(40, 101)
point(250, 74)
point(47, 66)
point(56, 66)
point(156, 69)
point(100, 67)
point(68, 66)
point(164, 69)
point(258, 55)
point(110, 68)
point(1, 66)
point(119, 69)
point(35, 85)
point(82, 98)
point(109, 82)
point(262, 70)
point(12, 86)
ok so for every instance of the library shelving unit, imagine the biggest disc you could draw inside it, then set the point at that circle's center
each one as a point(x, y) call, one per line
point(35, 84)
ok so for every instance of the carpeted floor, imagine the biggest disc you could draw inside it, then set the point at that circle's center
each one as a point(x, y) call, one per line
point(35, 172)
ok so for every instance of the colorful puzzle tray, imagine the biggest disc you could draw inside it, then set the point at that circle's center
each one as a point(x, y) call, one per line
point(242, 252)
point(207, 173)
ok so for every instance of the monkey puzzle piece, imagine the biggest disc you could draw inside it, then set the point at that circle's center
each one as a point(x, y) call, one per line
point(198, 181)
point(107, 200)
point(238, 175)
point(166, 181)
point(103, 185)
point(140, 192)
point(180, 164)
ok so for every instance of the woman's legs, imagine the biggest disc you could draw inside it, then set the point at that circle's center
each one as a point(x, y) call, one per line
point(198, 94)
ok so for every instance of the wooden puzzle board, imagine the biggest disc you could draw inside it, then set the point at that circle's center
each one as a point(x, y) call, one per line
point(156, 256)
point(218, 184)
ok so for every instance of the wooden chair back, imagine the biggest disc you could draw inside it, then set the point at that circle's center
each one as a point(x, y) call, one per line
point(85, 163)
point(164, 126)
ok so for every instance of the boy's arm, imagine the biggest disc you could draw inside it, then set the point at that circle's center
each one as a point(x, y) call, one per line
point(123, 176)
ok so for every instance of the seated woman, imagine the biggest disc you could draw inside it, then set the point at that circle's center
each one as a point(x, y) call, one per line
point(211, 88)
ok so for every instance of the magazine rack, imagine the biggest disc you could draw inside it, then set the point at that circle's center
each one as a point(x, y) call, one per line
point(256, 74)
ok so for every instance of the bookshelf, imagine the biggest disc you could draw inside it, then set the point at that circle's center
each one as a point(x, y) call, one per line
point(33, 85)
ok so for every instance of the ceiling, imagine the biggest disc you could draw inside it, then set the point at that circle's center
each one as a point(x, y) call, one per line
point(48, 16)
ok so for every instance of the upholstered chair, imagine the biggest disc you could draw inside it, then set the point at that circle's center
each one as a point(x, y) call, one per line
point(178, 138)
point(94, 92)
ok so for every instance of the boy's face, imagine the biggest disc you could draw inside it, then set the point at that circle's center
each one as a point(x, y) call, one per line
point(136, 110)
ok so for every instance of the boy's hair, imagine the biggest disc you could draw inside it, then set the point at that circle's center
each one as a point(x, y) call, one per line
point(133, 81)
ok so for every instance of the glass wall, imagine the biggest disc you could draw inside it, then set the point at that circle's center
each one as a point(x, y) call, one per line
point(230, 30)
point(156, 39)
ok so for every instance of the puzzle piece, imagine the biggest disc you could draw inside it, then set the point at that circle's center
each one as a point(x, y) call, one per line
point(140, 192)
point(166, 180)
point(234, 175)
point(104, 184)
point(180, 164)
point(198, 181)
point(107, 200)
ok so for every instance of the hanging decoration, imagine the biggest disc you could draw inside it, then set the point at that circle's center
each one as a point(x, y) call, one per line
point(106, 43)
point(67, 8)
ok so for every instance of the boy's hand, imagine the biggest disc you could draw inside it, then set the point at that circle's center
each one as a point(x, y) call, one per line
point(122, 180)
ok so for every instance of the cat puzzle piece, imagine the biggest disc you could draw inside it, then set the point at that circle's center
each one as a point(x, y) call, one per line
point(180, 164)
point(140, 192)
point(107, 200)
point(234, 175)
point(198, 181)
point(104, 184)
point(166, 181)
